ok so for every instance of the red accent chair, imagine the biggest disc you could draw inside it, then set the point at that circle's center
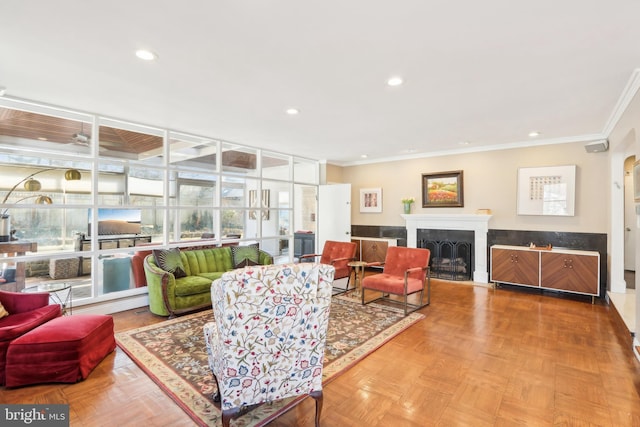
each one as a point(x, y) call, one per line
point(137, 267)
point(339, 255)
point(406, 272)
point(26, 312)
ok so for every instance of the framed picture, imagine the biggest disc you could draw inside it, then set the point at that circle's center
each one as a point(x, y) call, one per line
point(253, 203)
point(443, 189)
point(371, 200)
point(636, 181)
point(547, 190)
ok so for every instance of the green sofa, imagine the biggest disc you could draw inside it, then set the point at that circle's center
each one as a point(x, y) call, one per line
point(171, 296)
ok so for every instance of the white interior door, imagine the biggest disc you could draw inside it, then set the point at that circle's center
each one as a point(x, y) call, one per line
point(334, 213)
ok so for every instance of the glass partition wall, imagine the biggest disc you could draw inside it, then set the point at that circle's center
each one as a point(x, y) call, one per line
point(82, 194)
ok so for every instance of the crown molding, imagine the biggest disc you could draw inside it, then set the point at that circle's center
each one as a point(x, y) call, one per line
point(629, 92)
point(495, 147)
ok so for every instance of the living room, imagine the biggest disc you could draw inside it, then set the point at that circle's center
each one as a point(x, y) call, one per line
point(207, 172)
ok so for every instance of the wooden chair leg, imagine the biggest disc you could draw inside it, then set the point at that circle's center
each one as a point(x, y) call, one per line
point(317, 395)
point(216, 396)
point(229, 414)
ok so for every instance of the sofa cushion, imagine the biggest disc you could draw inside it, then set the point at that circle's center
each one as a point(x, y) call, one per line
point(3, 311)
point(17, 324)
point(206, 260)
point(192, 285)
point(244, 256)
point(212, 276)
point(170, 260)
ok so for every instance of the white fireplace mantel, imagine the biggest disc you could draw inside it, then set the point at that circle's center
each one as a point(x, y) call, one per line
point(479, 224)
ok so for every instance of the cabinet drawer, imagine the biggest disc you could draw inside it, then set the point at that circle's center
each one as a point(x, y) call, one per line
point(374, 251)
point(569, 272)
point(520, 267)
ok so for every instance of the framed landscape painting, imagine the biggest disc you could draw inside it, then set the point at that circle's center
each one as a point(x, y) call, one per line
point(443, 189)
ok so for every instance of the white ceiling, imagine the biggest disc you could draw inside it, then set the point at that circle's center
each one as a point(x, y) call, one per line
point(487, 72)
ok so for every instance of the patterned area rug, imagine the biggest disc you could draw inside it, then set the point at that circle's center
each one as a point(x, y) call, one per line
point(174, 355)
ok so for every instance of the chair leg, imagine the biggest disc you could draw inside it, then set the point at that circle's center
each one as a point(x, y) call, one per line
point(229, 414)
point(217, 398)
point(406, 301)
point(317, 395)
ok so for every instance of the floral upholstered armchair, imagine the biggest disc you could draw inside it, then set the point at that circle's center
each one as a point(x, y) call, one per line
point(268, 336)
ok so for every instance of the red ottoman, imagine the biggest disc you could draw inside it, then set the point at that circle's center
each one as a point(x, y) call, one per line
point(65, 350)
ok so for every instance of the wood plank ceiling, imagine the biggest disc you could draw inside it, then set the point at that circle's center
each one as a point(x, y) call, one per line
point(39, 127)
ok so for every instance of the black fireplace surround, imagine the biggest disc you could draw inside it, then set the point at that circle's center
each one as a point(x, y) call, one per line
point(451, 252)
point(581, 241)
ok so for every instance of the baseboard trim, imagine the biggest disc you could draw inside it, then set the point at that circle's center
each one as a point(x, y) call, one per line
point(621, 327)
point(114, 305)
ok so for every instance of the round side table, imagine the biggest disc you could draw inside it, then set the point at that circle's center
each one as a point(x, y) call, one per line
point(357, 267)
point(59, 293)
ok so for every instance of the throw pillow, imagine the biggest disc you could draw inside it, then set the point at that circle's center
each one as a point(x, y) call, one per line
point(169, 260)
point(3, 311)
point(243, 256)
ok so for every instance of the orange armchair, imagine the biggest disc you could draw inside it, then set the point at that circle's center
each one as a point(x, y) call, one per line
point(339, 255)
point(406, 272)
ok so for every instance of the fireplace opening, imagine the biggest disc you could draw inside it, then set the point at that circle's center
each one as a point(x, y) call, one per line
point(451, 252)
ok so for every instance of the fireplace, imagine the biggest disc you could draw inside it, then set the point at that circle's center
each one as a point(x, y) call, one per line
point(451, 252)
point(479, 224)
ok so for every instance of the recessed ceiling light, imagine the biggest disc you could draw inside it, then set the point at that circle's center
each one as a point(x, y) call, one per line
point(533, 134)
point(292, 111)
point(42, 138)
point(146, 55)
point(395, 81)
point(364, 156)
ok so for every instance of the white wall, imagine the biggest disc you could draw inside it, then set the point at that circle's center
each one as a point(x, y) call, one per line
point(623, 140)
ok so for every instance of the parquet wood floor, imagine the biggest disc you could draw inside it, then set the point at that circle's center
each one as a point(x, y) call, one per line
point(481, 357)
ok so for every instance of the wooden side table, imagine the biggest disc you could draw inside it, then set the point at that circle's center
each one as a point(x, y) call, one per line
point(357, 267)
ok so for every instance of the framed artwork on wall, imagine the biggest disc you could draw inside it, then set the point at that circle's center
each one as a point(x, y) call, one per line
point(443, 189)
point(547, 191)
point(371, 200)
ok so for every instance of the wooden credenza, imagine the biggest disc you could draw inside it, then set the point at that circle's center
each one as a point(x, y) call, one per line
point(372, 249)
point(564, 270)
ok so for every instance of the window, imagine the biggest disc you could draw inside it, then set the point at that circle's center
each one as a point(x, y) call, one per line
point(168, 187)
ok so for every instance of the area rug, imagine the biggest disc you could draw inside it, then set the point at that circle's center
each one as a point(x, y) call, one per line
point(174, 355)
